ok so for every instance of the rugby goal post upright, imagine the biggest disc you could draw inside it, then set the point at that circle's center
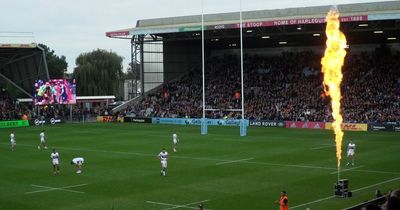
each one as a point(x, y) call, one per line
point(243, 122)
point(204, 125)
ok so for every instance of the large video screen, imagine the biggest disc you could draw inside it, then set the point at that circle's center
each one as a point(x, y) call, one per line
point(55, 91)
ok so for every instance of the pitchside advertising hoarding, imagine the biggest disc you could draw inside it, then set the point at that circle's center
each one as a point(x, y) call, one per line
point(14, 123)
point(307, 125)
point(383, 127)
point(119, 119)
point(267, 123)
point(196, 121)
point(47, 121)
point(349, 126)
point(137, 119)
point(328, 126)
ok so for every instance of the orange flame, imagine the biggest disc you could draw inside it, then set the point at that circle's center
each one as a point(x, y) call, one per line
point(332, 63)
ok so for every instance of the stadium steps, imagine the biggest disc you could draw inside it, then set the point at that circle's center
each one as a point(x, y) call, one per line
point(158, 88)
point(135, 100)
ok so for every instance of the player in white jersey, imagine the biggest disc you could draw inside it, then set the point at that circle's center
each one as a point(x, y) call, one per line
point(163, 157)
point(12, 141)
point(78, 162)
point(351, 151)
point(42, 140)
point(175, 140)
point(55, 160)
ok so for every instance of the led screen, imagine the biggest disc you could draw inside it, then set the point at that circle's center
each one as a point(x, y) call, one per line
point(55, 91)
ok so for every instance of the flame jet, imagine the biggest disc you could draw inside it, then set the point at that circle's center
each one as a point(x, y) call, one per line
point(332, 63)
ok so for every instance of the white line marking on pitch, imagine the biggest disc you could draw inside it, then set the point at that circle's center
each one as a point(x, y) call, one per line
point(289, 165)
point(359, 189)
point(178, 206)
point(347, 169)
point(210, 159)
point(47, 188)
point(187, 205)
point(378, 172)
point(323, 147)
point(233, 161)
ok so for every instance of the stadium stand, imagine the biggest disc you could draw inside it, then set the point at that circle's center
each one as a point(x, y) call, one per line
point(285, 87)
point(282, 79)
point(20, 66)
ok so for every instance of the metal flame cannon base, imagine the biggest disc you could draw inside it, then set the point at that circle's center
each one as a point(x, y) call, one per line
point(341, 189)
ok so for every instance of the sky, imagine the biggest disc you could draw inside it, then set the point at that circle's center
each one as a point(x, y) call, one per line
point(72, 27)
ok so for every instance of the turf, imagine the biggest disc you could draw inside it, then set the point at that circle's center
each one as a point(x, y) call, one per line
point(121, 170)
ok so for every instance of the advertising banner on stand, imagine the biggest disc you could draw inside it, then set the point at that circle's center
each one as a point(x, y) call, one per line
point(349, 126)
point(379, 127)
point(267, 123)
point(195, 121)
point(105, 119)
point(137, 119)
point(47, 121)
point(383, 127)
point(14, 123)
point(306, 125)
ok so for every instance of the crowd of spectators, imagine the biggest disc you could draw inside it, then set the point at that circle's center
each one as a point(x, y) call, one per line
point(282, 87)
point(8, 108)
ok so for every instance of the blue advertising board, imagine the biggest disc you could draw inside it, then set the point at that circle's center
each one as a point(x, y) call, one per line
point(197, 121)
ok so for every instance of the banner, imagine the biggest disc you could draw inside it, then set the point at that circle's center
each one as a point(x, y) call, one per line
point(137, 119)
point(120, 119)
point(383, 127)
point(51, 121)
point(349, 126)
point(105, 119)
point(380, 127)
point(14, 123)
point(197, 121)
point(267, 123)
point(302, 21)
point(306, 125)
point(189, 28)
point(117, 33)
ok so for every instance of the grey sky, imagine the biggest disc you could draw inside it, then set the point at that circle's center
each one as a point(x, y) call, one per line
point(71, 27)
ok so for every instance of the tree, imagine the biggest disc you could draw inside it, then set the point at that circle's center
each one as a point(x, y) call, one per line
point(133, 71)
point(130, 73)
point(57, 65)
point(98, 73)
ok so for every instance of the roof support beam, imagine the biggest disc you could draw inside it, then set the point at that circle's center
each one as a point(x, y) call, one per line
point(15, 85)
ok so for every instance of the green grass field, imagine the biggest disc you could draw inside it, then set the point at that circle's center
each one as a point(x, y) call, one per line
point(221, 170)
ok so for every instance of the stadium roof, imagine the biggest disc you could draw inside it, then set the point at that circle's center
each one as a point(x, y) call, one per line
point(358, 13)
point(21, 65)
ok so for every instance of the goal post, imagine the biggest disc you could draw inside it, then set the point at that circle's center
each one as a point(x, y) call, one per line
point(243, 127)
point(204, 126)
point(243, 124)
